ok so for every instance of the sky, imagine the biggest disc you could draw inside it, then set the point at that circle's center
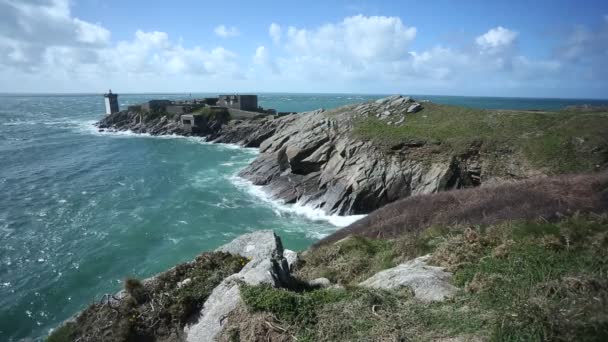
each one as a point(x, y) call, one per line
point(540, 48)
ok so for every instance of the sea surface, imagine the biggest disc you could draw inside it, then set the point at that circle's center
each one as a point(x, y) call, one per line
point(82, 210)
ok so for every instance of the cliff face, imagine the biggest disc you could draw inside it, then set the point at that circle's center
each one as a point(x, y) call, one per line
point(316, 159)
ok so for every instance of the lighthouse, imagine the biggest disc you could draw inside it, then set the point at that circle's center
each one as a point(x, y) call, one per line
point(111, 103)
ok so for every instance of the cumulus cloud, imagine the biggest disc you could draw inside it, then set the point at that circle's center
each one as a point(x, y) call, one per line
point(355, 39)
point(356, 47)
point(275, 32)
point(262, 58)
point(153, 52)
point(226, 32)
point(362, 49)
point(42, 39)
point(28, 28)
point(497, 37)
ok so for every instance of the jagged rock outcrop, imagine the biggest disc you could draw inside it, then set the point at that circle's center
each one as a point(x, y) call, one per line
point(314, 158)
point(267, 265)
point(139, 123)
point(429, 283)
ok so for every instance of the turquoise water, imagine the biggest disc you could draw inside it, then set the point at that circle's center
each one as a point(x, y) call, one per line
point(82, 210)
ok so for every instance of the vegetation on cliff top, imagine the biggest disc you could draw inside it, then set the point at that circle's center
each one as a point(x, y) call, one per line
point(555, 142)
point(549, 198)
point(521, 281)
point(152, 310)
point(530, 259)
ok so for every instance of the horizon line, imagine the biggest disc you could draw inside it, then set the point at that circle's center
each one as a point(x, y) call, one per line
point(298, 93)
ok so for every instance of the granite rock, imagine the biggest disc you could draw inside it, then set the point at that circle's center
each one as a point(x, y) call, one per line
point(429, 283)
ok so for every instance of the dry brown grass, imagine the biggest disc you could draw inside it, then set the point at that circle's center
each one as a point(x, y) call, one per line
point(547, 198)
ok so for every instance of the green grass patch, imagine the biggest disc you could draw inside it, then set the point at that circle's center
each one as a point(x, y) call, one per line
point(349, 261)
point(520, 281)
point(556, 141)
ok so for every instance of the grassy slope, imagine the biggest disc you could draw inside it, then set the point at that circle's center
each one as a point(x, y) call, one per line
point(521, 281)
point(155, 311)
point(554, 142)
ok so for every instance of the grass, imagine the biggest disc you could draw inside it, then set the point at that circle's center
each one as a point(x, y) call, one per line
point(520, 281)
point(349, 261)
point(556, 142)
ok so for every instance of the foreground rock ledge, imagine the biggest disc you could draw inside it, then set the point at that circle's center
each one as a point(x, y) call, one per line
point(267, 266)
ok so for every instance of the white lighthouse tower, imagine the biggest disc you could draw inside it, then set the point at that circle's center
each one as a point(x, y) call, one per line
point(111, 103)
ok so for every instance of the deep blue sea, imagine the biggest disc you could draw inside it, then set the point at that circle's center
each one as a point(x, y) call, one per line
point(81, 210)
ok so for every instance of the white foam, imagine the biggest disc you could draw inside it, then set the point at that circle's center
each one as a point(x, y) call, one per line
point(279, 207)
point(90, 128)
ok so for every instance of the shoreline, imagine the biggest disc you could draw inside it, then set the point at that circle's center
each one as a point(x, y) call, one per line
point(309, 212)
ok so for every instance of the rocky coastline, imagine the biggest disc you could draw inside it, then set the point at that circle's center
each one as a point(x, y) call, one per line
point(314, 158)
point(470, 265)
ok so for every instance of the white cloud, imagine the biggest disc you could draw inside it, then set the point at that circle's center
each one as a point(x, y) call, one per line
point(377, 51)
point(354, 48)
point(154, 52)
point(498, 37)
point(42, 40)
point(262, 59)
point(261, 55)
point(354, 40)
point(90, 33)
point(275, 32)
point(27, 29)
point(226, 32)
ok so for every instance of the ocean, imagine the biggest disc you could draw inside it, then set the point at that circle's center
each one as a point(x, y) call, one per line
point(81, 210)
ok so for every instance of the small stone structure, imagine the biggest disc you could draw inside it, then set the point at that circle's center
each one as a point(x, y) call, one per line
point(111, 101)
point(188, 123)
point(198, 122)
point(241, 102)
point(194, 114)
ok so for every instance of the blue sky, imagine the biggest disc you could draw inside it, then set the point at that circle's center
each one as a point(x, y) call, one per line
point(536, 48)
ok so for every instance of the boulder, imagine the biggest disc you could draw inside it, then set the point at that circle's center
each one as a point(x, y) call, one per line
point(267, 265)
point(416, 107)
point(291, 257)
point(429, 283)
point(320, 283)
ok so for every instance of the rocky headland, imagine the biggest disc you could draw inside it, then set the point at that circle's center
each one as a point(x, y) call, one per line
point(357, 158)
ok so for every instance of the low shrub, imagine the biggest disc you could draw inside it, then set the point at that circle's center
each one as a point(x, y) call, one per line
point(152, 310)
point(549, 198)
